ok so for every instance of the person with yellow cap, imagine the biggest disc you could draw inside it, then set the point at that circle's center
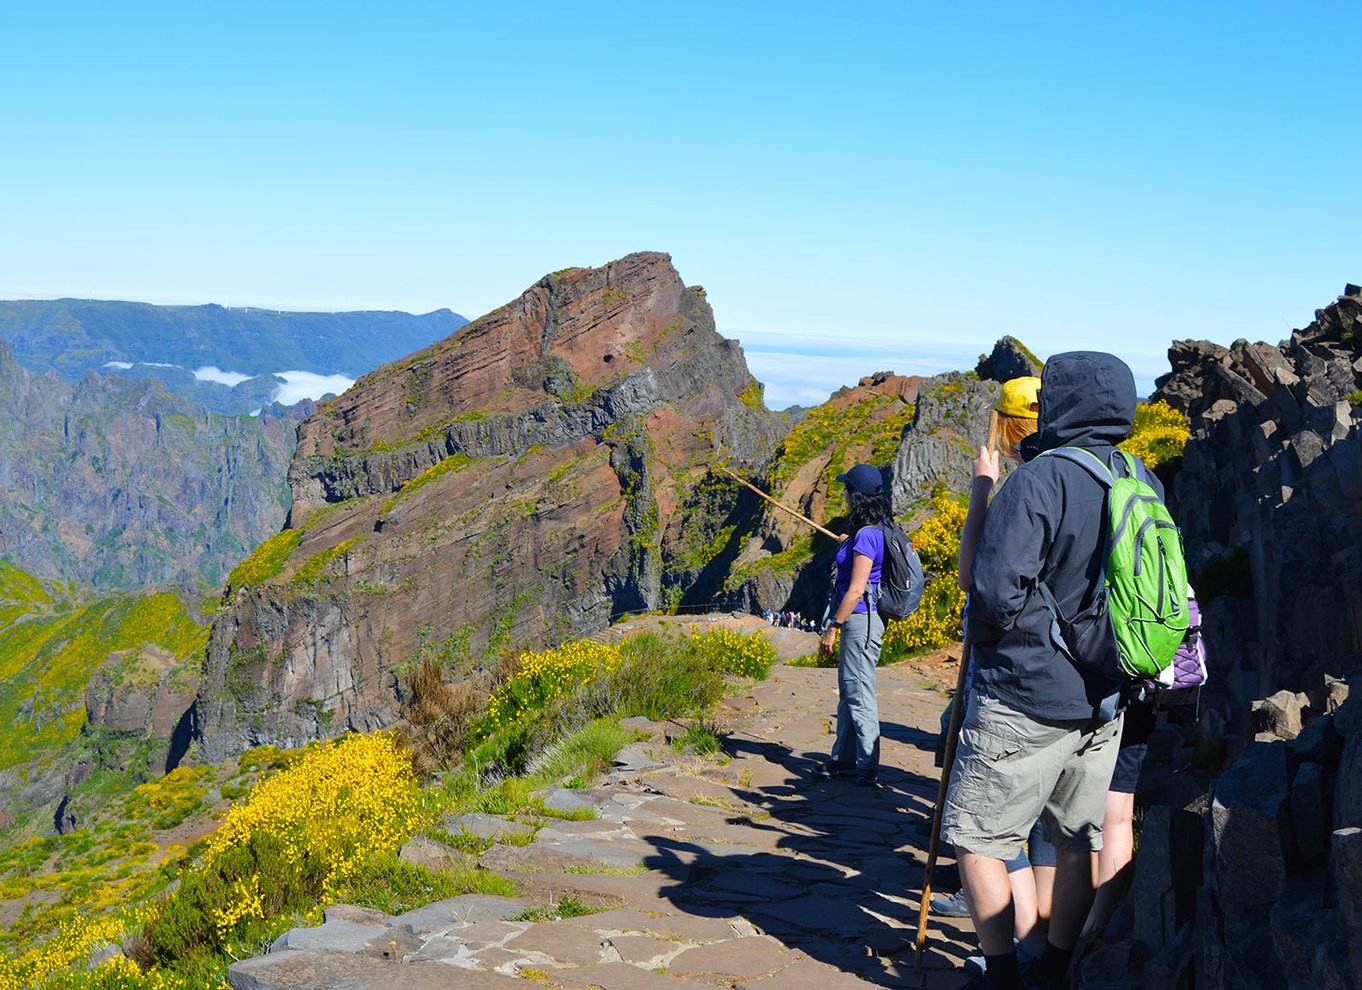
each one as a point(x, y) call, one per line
point(1016, 410)
point(1015, 415)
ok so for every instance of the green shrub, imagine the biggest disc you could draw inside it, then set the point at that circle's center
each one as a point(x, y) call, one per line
point(188, 926)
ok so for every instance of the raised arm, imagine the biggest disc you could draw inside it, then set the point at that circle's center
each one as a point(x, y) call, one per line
point(986, 471)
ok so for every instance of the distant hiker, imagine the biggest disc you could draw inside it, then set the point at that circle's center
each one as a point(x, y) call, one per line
point(1040, 733)
point(860, 562)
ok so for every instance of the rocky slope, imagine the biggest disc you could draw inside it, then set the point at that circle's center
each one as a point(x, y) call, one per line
point(87, 685)
point(1270, 500)
point(119, 484)
point(521, 480)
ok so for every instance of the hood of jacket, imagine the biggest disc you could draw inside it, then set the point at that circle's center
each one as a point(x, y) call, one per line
point(1087, 399)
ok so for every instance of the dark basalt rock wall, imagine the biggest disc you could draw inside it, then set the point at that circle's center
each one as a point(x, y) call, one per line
point(1270, 497)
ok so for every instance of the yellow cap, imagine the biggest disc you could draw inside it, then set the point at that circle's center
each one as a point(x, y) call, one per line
point(1019, 397)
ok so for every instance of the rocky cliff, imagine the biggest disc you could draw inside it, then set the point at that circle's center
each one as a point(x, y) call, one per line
point(1270, 500)
point(119, 484)
point(519, 481)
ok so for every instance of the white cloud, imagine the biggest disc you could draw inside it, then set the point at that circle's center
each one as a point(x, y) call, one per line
point(299, 385)
point(210, 374)
point(160, 364)
point(120, 365)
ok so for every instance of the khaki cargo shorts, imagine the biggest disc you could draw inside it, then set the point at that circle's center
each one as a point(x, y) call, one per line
point(1011, 770)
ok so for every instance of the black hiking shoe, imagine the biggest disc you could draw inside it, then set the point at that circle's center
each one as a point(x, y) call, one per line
point(830, 770)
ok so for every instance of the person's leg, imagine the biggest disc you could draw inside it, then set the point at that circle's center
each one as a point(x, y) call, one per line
point(1005, 763)
point(1073, 896)
point(1042, 855)
point(1073, 822)
point(1023, 883)
point(1114, 859)
point(856, 672)
point(990, 900)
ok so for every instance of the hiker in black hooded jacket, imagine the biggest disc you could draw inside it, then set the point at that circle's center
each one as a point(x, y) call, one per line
point(1040, 735)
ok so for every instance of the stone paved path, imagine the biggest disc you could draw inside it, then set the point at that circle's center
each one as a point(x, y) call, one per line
point(739, 870)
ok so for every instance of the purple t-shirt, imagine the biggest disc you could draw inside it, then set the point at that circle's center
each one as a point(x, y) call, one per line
point(869, 542)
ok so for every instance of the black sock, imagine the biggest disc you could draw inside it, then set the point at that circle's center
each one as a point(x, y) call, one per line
point(1004, 972)
point(1054, 963)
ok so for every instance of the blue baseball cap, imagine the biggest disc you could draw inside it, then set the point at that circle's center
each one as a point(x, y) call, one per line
point(865, 478)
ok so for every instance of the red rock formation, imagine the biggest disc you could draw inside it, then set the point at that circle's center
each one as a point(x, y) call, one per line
point(519, 481)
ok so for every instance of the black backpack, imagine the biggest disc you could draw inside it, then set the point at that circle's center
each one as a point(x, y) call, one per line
point(901, 576)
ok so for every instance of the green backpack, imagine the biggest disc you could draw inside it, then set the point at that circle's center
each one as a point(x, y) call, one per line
point(1141, 615)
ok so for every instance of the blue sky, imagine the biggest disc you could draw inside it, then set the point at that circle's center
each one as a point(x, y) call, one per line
point(885, 185)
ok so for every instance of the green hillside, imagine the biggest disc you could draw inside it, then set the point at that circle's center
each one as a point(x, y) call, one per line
point(50, 646)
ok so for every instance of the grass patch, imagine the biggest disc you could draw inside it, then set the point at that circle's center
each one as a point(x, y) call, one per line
point(568, 907)
point(702, 739)
point(391, 885)
point(265, 562)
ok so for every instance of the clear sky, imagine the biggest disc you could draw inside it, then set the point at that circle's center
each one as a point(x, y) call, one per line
point(879, 184)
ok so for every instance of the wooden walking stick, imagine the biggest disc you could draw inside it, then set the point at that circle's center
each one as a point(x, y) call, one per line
point(958, 704)
point(778, 504)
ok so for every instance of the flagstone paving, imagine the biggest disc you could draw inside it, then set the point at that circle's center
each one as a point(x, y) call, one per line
point(739, 870)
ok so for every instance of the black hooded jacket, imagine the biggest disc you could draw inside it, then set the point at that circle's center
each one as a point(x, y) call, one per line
point(1046, 524)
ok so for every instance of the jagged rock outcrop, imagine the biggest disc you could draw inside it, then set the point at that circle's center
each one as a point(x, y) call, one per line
point(1270, 499)
point(948, 428)
point(519, 481)
point(1009, 359)
point(119, 484)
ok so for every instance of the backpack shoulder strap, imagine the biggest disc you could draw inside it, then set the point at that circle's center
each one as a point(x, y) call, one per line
point(1127, 460)
point(1085, 459)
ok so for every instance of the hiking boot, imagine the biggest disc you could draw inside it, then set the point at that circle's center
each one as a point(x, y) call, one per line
point(830, 770)
point(950, 905)
point(976, 966)
point(1036, 976)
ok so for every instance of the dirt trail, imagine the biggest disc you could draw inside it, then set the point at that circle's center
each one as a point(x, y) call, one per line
point(736, 870)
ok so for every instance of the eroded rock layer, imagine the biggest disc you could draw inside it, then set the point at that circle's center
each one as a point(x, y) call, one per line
point(518, 481)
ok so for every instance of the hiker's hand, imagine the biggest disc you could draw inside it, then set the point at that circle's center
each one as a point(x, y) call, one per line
point(988, 465)
point(842, 537)
point(829, 641)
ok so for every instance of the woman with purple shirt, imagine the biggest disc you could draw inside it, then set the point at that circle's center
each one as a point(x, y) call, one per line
point(859, 562)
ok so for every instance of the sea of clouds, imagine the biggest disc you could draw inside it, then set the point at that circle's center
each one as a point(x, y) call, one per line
point(293, 386)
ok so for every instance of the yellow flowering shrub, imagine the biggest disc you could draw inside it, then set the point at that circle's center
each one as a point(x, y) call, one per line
point(293, 844)
point(732, 652)
point(1160, 434)
point(68, 948)
point(345, 801)
point(544, 677)
point(937, 620)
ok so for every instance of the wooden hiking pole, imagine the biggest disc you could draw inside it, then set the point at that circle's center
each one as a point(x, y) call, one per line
point(779, 505)
point(958, 705)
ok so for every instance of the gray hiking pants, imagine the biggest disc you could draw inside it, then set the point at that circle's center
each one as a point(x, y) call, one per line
point(858, 713)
